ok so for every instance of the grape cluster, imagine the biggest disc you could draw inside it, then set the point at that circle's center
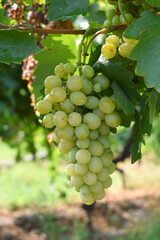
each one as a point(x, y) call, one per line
point(82, 115)
point(114, 43)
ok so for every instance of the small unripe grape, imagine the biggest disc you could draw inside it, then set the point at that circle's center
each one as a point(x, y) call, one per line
point(106, 159)
point(75, 83)
point(60, 119)
point(90, 178)
point(103, 129)
point(58, 94)
point(84, 189)
point(66, 133)
point(114, 40)
point(78, 98)
point(70, 170)
point(87, 71)
point(99, 113)
point(93, 134)
point(92, 102)
point(87, 87)
point(116, 20)
point(44, 107)
point(72, 155)
point(74, 119)
point(108, 50)
point(102, 80)
point(125, 49)
point(81, 169)
point(48, 120)
point(107, 23)
point(106, 105)
point(95, 148)
point(107, 183)
point(104, 141)
point(110, 14)
point(95, 165)
point(88, 199)
point(69, 68)
point(97, 187)
point(82, 131)
point(59, 71)
point(113, 120)
point(83, 156)
point(100, 195)
point(77, 181)
point(111, 168)
point(83, 143)
point(52, 82)
point(92, 120)
point(103, 174)
point(67, 106)
point(97, 88)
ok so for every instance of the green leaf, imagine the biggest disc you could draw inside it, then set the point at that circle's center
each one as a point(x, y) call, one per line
point(154, 3)
point(16, 46)
point(64, 9)
point(58, 49)
point(152, 99)
point(147, 51)
point(122, 100)
point(95, 55)
point(136, 149)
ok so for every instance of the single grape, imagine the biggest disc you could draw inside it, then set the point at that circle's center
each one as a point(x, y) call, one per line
point(78, 98)
point(102, 80)
point(125, 49)
point(58, 94)
point(107, 23)
point(103, 174)
point(96, 148)
point(92, 102)
point(87, 87)
point(93, 134)
point(83, 156)
point(59, 71)
point(72, 155)
point(99, 113)
point(75, 83)
point(70, 170)
point(60, 119)
point(97, 187)
point(88, 199)
point(84, 189)
point(92, 120)
point(103, 129)
point(95, 165)
point(67, 106)
point(104, 141)
point(97, 87)
point(107, 183)
point(82, 131)
point(48, 121)
point(69, 68)
point(110, 14)
point(100, 195)
point(111, 168)
point(87, 71)
point(106, 105)
point(48, 98)
point(77, 181)
point(90, 178)
point(113, 120)
point(81, 169)
point(74, 119)
point(116, 20)
point(52, 82)
point(83, 143)
point(106, 159)
point(114, 40)
point(108, 50)
point(44, 107)
point(66, 133)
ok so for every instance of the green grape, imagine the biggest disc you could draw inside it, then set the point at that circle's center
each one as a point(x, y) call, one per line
point(78, 98)
point(102, 80)
point(97, 88)
point(66, 133)
point(87, 87)
point(83, 156)
point(103, 129)
point(92, 102)
point(47, 91)
point(81, 169)
point(73, 138)
point(74, 83)
point(82, 131)
point(58, 94)
point(95, 165)
point(70, 170)
point(106, 105)
point(107, 23)
point(103, 175)
point(111, 168)
point(56, 139)
point(60, 119)
point(96, 148)
point(100, 195)
point(67, 144)
point(74, 119)
point(67, 106)
point(72, 155)
point(90, 178)
point(110, 14)
point(92, 120)
point(97, 187)
point(130, 41)
point(87, 71)
point(93, 134)
point(44, 107)
point(69, 68)
point(83, 143)
point(108, 50)
point(77, 181)
point(77, 189)
point(99, 113)
point(62, 148)
point(48, 98)
point(52, 82)
point(48, 121)
point(129, 17)
point(113, 120)
point(84, 190)
point(146, 6)
point(125, 49)
point(59, 71)
point(88, 199)
point(114, 40)
point(104, 141)
point(107, 183)
point(106, 159)
point(116, 20)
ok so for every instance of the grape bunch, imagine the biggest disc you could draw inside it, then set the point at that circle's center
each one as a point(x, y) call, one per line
point(82, 112)
point(114, 44)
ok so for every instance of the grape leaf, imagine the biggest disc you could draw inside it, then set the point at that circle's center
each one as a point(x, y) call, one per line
point(65, 9)
point(152, 100)
point(147, 51)
point(16, 46)
point(154, 3)
point(95, 55)
point(58, 49)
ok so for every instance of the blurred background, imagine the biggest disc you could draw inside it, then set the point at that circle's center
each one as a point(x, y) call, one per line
point(36, 202)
